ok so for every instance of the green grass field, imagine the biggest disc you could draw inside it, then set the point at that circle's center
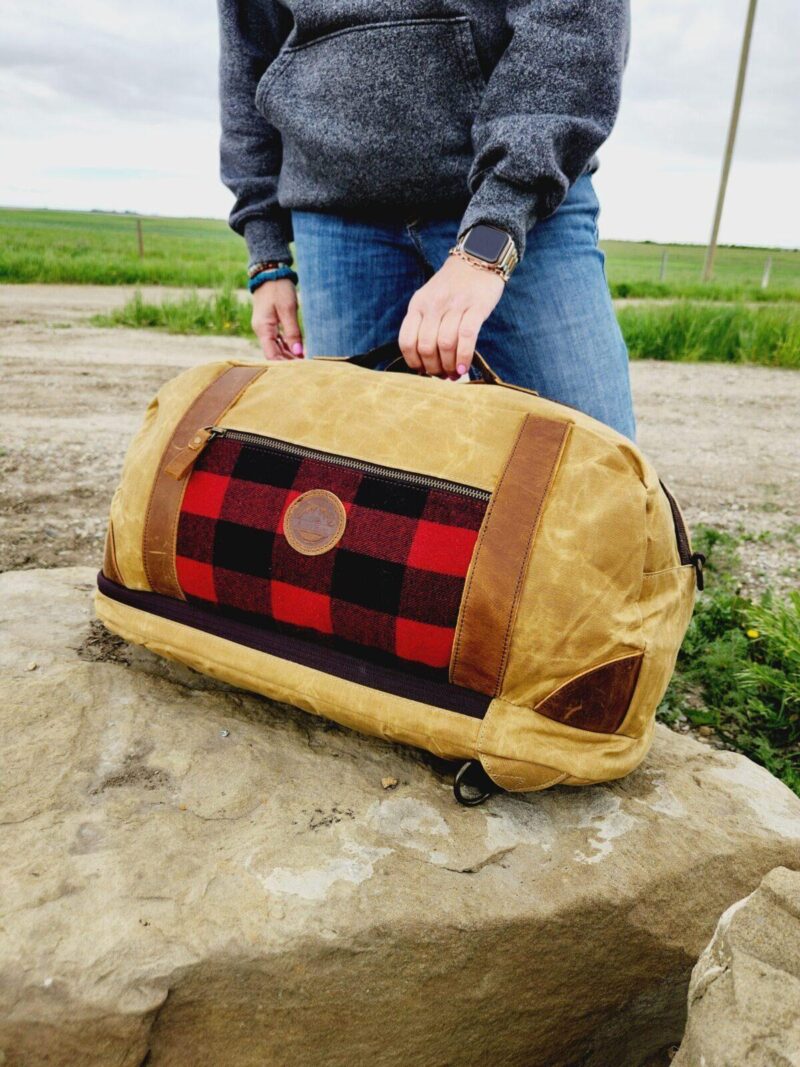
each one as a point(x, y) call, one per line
point(102, 249)
point(686, 331)
point(99, 248)
point(634, 269)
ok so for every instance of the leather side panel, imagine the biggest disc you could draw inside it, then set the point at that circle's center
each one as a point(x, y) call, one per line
point(597, 700)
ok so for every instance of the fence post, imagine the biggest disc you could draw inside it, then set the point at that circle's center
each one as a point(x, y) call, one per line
point(767, 272)
point(140, 238)
point(662, 277)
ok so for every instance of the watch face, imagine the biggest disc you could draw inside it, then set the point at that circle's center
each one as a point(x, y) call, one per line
point(486, 242)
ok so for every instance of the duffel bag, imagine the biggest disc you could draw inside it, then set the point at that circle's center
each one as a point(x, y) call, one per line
point(465, 567)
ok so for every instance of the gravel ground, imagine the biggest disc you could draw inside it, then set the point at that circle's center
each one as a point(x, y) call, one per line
point(725, 438)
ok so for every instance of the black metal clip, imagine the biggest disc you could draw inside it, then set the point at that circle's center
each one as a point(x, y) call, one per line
point(472, 776)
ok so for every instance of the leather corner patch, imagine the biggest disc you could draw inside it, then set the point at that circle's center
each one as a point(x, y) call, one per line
point(597, 700)
point(314, 522)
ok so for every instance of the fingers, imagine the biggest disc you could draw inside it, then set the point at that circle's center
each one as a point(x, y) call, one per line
point(448, 340)
point(419, 336)
point(291, 336)
point(428, 342)
point(468, 329)
point(266, 330)
point(407, 338)
point(444, 317)
point(275, 310)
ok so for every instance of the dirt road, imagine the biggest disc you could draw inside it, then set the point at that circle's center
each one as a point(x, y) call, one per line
point(726, 438)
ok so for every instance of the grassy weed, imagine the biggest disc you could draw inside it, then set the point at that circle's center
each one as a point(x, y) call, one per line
point(686, 332)
point(692, 332)
point(223, 314)
point(738, 670)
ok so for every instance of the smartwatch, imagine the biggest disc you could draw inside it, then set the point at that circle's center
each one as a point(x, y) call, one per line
point(488, 247)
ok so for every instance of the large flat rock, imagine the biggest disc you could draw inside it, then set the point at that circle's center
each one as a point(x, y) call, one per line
point(197, 876)
point(744, 996)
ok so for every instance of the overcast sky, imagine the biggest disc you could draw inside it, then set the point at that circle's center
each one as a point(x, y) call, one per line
point(111, 104)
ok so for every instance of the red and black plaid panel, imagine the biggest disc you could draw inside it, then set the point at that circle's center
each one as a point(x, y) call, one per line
point(393, 583)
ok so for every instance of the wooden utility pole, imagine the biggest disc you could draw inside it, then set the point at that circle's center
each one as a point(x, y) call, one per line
point(140, 238)
point(708, 266)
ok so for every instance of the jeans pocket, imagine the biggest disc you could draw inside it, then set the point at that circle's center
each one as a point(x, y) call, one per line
point(371, 110)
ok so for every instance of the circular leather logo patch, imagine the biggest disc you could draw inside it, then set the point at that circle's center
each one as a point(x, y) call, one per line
point(314, 522)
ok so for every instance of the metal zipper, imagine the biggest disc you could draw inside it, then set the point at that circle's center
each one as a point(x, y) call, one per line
point(420, 481)
point(687, 557)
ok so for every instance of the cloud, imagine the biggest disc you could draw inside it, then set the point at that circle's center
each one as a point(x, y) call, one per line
point(680, 80)
point(660, 169)
point(114, 105)
point(143, 61)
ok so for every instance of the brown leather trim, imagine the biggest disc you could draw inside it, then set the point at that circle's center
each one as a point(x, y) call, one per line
point(163, 509)
point(491, 594)
point(110, 568)
point(597, 700)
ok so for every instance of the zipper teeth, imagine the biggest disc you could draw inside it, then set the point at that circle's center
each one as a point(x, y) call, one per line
point(681, 536)
point(422, 481)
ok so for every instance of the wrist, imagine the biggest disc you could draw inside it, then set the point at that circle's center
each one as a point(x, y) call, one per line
point(273, 274)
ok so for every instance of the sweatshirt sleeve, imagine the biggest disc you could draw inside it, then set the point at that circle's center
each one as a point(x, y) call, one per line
point(549, 104)
point(251, 34)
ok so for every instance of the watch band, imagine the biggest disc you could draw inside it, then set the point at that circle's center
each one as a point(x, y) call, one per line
point(493, 268)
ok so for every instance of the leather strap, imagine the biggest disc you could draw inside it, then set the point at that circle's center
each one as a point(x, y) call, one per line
point(163, 509)
point(492, 591)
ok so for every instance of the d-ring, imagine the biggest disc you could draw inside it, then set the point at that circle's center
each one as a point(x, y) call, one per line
point(472, 776)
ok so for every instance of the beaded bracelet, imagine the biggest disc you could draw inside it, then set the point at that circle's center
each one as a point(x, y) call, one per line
point(271, 276)
point(265, 264)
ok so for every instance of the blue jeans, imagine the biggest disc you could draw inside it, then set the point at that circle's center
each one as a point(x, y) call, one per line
point(554, 329)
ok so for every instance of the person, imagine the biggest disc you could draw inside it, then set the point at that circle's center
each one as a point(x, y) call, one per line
point(435, 173)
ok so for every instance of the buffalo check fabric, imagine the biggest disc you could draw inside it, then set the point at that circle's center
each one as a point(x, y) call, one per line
point(392, 584)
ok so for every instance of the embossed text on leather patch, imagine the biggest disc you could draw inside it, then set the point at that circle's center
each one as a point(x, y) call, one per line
point(314, 522)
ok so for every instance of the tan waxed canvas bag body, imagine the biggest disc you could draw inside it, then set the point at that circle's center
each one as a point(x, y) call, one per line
point(468, 568)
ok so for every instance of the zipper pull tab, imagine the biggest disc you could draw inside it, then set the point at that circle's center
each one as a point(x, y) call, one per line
point(698, 562)
point(182, 462)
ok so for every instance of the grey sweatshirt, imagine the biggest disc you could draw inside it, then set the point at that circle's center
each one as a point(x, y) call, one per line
point(483, 109)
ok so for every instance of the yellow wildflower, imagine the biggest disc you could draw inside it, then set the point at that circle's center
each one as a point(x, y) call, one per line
point(752, 632)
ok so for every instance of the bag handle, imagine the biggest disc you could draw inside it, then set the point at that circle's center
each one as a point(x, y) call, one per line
point(390, 353)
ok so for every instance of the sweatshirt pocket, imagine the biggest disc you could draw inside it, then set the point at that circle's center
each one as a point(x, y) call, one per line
point(375, 109)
